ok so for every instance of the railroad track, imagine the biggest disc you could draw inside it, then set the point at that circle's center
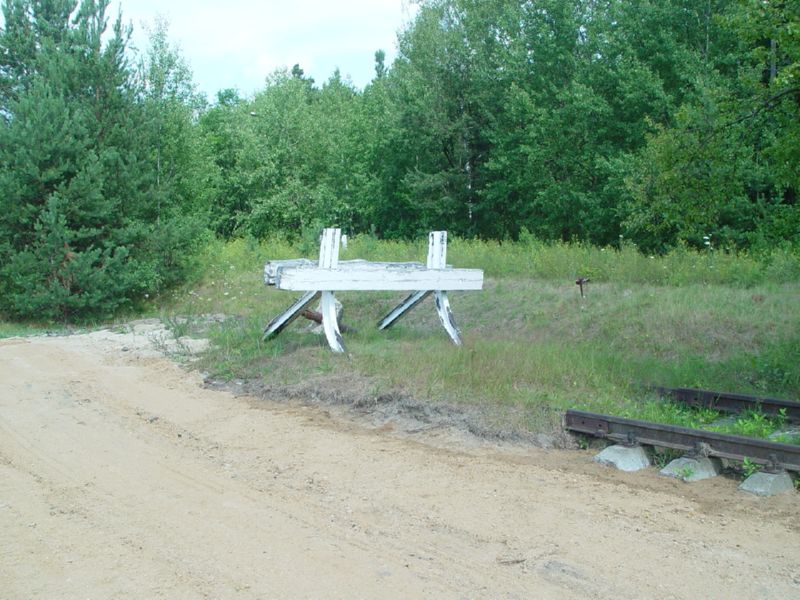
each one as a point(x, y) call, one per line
point(773, 456)
point(733, 403)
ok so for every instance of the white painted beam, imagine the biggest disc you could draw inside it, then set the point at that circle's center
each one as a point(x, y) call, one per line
point(271, 267)
point(390, 279)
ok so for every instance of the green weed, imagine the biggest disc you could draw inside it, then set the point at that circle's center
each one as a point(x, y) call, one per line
point(663, 456)
point(531, 342)
point(752, 424)
point(9, 329)
point(749, 467)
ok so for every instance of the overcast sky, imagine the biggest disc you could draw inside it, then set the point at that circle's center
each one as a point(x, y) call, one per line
point(237, 43)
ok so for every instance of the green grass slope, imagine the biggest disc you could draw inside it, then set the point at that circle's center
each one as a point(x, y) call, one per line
point(531, 342)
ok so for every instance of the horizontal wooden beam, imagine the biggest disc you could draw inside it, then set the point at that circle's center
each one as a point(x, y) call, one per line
point(272, 267)
point(370, 277)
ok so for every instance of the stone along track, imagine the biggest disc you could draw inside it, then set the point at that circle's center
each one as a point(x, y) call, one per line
point(121, 477)
point(704, 443)
point(774, 456)
point(703, 447)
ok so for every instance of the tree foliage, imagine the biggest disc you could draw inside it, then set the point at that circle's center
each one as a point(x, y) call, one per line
point(576, 119)
point(84, 226)
point(726, 167)
point(664, 122)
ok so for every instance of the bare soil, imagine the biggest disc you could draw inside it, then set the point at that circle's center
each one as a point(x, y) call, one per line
point(121, 476)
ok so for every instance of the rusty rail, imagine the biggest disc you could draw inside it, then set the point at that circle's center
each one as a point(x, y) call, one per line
point(709, 443)
point(732, 403)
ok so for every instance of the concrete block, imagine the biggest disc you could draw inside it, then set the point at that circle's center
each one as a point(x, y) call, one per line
point(767, 484)
point(692, 469)
point(624, 458)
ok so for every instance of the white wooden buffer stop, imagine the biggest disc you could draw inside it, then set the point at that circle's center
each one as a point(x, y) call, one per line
point(329, 275)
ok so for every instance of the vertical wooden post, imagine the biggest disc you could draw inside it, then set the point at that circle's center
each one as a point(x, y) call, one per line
point(437, 249)
point(329, 248)
point(329, 259)
point(437, 259)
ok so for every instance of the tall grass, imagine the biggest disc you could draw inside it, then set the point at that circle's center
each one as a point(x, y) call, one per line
point(625, 264)
point(532, 258)
point(9, 329)
point(703, 319)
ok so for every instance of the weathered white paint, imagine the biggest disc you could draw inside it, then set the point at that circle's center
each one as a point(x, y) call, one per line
point(437, 260)
point(437, 249)
point(446, 316)
point(299, 279)
point(329, 322)
point(329, 249)
point(329, 275)
point(272, 267)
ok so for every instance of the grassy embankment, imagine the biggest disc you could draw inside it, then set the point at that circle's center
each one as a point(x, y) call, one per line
point(708, 319)
point(532, 343)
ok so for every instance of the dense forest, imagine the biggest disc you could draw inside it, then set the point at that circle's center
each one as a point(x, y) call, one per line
point(655, 122)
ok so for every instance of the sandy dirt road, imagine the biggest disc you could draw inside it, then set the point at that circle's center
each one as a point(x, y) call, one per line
point(120, 477)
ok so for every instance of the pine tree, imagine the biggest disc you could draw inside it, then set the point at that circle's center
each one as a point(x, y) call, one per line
point(78, 217)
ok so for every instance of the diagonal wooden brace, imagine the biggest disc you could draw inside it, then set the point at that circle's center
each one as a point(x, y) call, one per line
point(401, 309)
point(284, 319)
point(437, 261)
